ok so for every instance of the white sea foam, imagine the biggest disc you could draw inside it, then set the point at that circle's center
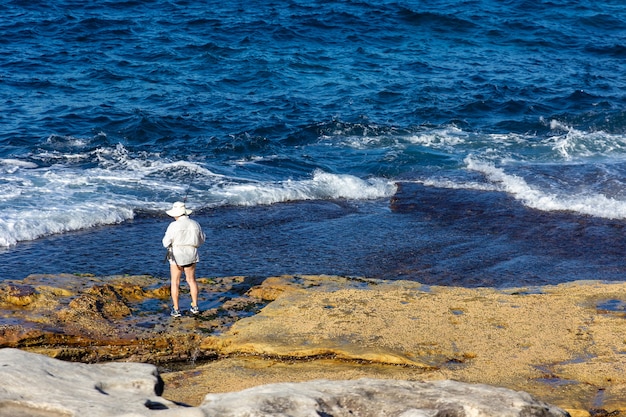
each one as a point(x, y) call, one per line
point(573, 142)
point(323, 185)
point(565, 143)
point(29, 224)
point(570, 143)
point(441, 138)
point(64, 193)
point(589, 203)
point(69, 141)
point(455, 185)
point(11, 165)
point(60, 199)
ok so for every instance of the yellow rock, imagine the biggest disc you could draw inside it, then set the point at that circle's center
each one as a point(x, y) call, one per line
point(578, 413)
point(554, 342)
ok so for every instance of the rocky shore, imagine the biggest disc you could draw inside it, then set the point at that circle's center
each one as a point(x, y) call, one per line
point(562, 344)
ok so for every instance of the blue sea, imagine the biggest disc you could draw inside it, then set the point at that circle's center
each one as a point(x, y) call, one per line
point(450, 142)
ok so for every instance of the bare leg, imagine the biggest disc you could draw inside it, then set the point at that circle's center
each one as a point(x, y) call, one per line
point(176, 272)
point(190, 276)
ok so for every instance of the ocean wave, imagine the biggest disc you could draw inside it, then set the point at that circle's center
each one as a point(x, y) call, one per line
point(10, 165)
point(30, 224)
point(587, 203)
point(322, 186)
point(455, 184)
point(448, 137)
point(561, 143)
point(42, 201)
point(441, 21)
point(571, 143)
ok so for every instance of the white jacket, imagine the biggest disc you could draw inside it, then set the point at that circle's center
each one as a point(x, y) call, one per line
point(185, 235)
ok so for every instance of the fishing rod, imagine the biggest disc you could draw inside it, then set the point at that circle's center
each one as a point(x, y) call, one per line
point(189, 185)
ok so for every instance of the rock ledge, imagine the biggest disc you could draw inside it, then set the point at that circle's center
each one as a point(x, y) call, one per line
point(40, 386)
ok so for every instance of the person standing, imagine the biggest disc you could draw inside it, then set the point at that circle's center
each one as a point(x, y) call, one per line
point(182, 238)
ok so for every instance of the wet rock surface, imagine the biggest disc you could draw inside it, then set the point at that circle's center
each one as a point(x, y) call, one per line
point(94, 319)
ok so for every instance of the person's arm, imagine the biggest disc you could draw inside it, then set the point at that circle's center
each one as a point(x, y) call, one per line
point(202, 237)
point(167, 239)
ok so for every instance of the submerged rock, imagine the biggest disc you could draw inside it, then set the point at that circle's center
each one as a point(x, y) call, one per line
point(37, 385)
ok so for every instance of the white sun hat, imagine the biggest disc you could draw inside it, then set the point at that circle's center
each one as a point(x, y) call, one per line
point(178, 209)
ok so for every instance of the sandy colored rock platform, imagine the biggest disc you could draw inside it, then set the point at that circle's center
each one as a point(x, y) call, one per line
point(564, 344)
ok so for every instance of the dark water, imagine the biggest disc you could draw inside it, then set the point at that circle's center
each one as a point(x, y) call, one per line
point(456, 143)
